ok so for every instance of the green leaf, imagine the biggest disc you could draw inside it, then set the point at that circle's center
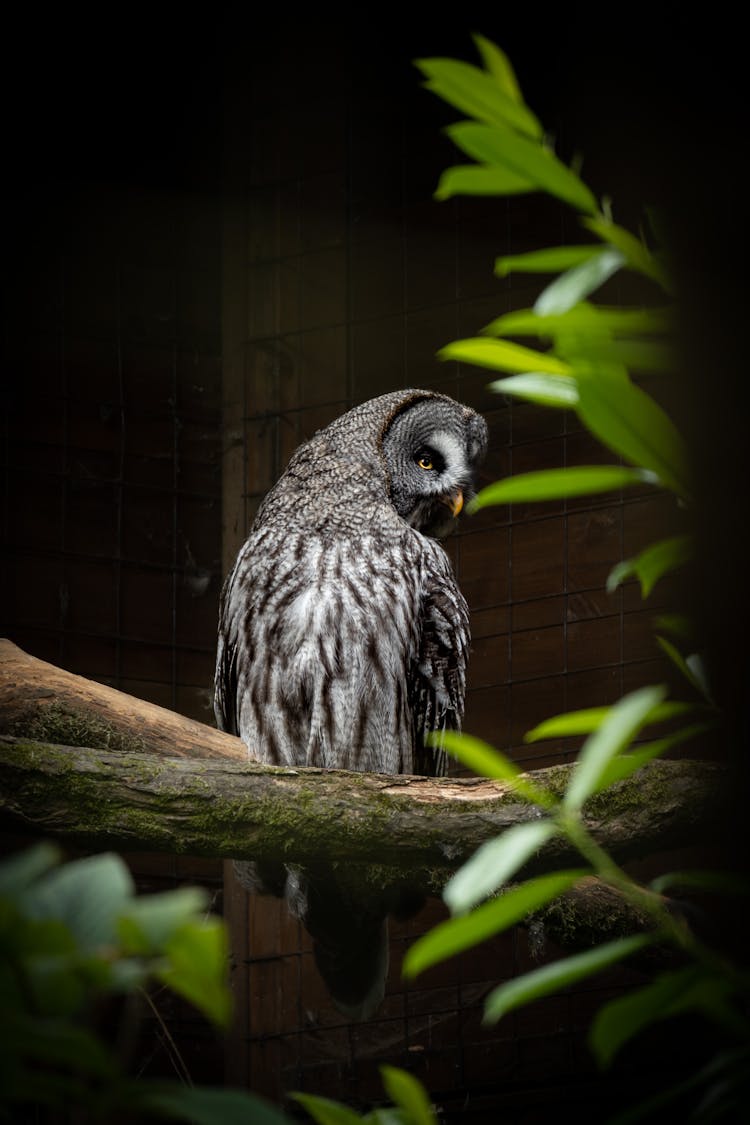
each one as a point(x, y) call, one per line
point(629, 762)
point(689, 989)
point(478, 94)
point(554, 260)
point(623, 765)
point(628, 421)
point(492, 918)
point(722, 882)
point(409, 1094)
point(198, 968)
point(202, 1105)
point(569, 724)
point(86, 895)
point(473, 179)
point(497, 63)
point(677, 624)
point(551, 978)
point(653, 563)
point(636, 254)
point(585, 319)
point(649, 356)
point(18, 871)
point(28, 937)
point(691, 667)
point(54, 987)
point(126, 974)
point(535, 386)
point(325, 1111)
point(476, 755)
point(621, 725)
point(621, 1019)
point(697, 670)
point(552, 484)
point(576, 284)
point(494, 863)
point(498, 147)
point(57, 1043)
point(499, 355)
point(385, 1115)
point(151, 920)
point(591, 718)
point(486, 761)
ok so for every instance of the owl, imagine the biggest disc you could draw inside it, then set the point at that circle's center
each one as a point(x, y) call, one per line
point(343, 636)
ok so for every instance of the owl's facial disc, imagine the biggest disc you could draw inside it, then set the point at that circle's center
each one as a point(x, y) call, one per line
point(430, 468)
point(447, 474)
point(441, 458)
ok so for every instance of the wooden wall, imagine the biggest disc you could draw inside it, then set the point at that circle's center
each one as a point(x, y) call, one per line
point(218, 239)
point(111, 394)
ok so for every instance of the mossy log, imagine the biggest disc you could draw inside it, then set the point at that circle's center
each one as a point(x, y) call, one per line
point(590, 913)
point(103, 769)
point(139, 777)
point(40, 701)
point(421, 828)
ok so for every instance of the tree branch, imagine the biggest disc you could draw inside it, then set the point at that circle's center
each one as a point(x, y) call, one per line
point(139, 777)
point(422, 827)
point(135, 776)
point(43, 702)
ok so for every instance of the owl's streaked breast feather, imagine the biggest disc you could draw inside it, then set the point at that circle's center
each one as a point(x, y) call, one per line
point(321, 647)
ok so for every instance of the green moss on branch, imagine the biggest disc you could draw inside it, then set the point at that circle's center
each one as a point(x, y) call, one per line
point(421, 826)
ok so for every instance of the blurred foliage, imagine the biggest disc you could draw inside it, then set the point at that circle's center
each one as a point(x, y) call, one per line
point(74, 939)
point(411, 1104)
point(581, 358)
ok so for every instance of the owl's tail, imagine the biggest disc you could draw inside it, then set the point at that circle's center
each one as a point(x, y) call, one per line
point(350, 945)
point(349, 927)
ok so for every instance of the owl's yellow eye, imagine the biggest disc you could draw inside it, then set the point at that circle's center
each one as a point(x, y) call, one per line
point(425, 461)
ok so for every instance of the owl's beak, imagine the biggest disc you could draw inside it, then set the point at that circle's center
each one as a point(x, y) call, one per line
point(455, 502)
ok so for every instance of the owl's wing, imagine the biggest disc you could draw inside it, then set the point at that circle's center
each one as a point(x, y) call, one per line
point(225, 679)
point(438, 680)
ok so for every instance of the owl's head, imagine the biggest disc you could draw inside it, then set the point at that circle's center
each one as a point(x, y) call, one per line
point(432, 449)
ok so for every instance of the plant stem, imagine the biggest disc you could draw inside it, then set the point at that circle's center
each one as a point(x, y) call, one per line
point(668, 926)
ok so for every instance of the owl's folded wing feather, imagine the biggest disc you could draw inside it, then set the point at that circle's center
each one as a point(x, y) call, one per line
point(438, 676)
point(225, 681)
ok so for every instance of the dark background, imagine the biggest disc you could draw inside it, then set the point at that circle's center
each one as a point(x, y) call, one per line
point(130, 149)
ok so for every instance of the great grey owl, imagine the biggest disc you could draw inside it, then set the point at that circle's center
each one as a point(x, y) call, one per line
point(343, 637)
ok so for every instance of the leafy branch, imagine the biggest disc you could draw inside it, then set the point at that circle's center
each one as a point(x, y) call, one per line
point(606, 757)
point(581, 359)
point(586, 366)
point(75, 935)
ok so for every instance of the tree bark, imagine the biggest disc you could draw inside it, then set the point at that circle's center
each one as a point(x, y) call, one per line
point(103, 769)
point(417, 829)
point(88, 764)
point(41, 701)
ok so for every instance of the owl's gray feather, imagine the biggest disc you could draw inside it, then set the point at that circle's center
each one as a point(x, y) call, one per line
point(343, 636)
